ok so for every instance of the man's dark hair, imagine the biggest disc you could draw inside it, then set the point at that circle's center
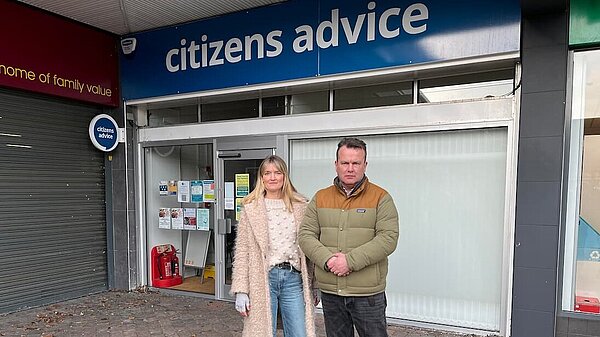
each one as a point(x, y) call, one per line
point(351, 143)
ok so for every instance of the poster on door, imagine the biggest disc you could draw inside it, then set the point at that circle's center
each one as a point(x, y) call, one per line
point(238, 208)
point(172, 187)
point(183, 191)
point(229, 196)
point(196, 191)
point(242, 185)
point(208, 187)
point(164, 218)
point(176, 218)
point(189, 218)
point(203, 222)
point(163, 188)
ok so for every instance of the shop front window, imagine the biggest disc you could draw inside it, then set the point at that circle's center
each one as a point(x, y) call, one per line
point(449, 189)
point(333, 96)
point(317, 101)
point(463, 87)
point(220, 111)
point(373, 96)
point(179, 195)
point(173, 116)
point(581, 274)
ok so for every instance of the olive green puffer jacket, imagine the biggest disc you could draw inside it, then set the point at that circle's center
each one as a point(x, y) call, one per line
point(364, 226)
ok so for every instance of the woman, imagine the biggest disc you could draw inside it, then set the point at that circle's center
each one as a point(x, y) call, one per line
point(269, 270)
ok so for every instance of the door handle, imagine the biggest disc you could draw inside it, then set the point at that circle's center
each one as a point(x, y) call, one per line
point(224, 226)
point(228, 226)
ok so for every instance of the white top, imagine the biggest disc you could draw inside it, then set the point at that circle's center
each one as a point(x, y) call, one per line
point(283, 244)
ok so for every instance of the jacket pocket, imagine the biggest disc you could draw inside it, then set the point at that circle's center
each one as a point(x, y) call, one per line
point(326, 280)
point(367, 277)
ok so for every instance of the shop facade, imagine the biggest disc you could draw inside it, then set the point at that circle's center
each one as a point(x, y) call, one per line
point(433, 89)
point(54, 228)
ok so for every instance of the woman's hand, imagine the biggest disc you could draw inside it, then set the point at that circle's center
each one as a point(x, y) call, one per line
point(242, 304)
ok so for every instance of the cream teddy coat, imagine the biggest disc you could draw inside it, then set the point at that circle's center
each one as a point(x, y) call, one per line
point(250, 269)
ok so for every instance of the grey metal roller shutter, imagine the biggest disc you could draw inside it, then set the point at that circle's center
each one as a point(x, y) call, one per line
point(52, 209)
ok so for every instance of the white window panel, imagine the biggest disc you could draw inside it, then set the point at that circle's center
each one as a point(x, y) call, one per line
point(449, 188)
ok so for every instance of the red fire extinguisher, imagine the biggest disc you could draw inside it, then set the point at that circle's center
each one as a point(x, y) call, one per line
point(175, 265)
point(164, 266)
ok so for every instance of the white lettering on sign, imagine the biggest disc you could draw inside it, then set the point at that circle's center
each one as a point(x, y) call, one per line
point(103, 129)
point(105, 133)
point(388, 25)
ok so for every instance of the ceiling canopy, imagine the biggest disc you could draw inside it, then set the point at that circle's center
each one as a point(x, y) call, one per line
point(122, 17)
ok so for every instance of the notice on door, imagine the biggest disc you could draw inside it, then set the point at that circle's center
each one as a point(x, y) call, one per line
point(164, 218)
point(183, 189)
point(238, 208)
point(196, 191)
point(203, 219)
point(176, 218)
point(208, 187)
point(242, 185)
point(229, 202)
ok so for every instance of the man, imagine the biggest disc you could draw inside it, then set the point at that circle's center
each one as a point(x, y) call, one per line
point(349, 229)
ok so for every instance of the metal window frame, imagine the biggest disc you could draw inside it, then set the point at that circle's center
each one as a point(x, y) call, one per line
point(560, 312)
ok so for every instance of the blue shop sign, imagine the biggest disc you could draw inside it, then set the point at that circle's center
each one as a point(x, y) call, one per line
point(104, 132)
point(300, 39)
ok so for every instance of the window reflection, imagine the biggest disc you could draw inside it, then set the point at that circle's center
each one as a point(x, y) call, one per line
point(309, 102)
point(220, 111)
point(373, 96)
point(471, 86)
point(173, 115)
point(581, 278)
point(275, 106)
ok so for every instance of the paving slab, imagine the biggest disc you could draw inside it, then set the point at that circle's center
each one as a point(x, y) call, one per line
point(143, 313)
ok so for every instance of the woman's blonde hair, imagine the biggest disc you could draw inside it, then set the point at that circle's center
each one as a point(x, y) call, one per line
point(288, 191)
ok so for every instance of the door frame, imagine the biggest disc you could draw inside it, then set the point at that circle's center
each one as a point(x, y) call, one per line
point(232, 149)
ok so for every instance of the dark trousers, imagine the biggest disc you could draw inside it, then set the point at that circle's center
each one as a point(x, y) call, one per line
point(366, 314)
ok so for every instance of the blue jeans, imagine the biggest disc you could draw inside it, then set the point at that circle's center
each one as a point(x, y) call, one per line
point(285, 286)
point(343, 314)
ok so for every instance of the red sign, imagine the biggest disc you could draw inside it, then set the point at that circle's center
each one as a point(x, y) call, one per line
point(45, 53)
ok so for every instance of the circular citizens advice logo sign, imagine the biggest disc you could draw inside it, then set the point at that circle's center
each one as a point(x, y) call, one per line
point(104, 132)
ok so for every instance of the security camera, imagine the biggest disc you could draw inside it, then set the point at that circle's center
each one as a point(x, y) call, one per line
point(128, 45)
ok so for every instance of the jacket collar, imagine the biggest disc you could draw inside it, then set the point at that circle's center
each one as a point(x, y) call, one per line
point(359, 187)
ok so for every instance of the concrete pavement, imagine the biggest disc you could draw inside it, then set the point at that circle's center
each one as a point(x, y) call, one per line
point(146, 313)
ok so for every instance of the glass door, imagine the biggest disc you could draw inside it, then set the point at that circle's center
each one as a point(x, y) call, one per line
point(237, 172)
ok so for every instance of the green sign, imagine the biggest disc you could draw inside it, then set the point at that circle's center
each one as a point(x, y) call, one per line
point(585, 22)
